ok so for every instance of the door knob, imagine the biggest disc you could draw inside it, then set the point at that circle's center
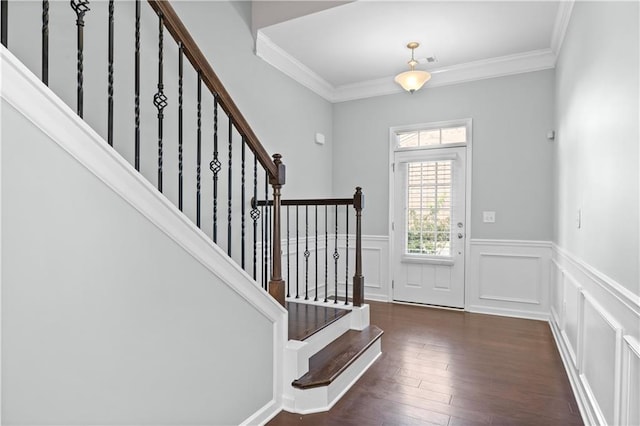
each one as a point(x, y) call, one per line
point(460, 225)
point(460, 235)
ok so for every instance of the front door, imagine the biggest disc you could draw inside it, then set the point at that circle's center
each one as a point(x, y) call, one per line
point(429, 226)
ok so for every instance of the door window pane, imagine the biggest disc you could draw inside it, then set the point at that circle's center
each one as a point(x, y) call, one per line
point(428, 212)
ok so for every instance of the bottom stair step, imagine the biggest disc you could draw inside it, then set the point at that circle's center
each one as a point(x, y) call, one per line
point(326, 365)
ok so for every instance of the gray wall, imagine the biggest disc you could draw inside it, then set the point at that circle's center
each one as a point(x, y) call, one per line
point(105, 319)
point(284, 114)
point(512, 159)
point(597, 155)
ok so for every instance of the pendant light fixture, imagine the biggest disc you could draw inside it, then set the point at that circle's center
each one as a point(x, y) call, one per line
point(414, 79)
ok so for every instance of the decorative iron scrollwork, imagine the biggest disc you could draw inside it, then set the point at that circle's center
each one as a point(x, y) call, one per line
point(80, 7)
point(255, 214)
point(160, 101)
point(215, 166)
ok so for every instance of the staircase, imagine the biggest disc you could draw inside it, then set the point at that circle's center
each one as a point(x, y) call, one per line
point(291, 253)
point(329, 348)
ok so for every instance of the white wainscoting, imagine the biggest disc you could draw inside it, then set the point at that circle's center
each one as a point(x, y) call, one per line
point(375, 265)
point(596, 324)
point(509, 277)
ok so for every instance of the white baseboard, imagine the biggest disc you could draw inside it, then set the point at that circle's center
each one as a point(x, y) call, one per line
point(505, 312)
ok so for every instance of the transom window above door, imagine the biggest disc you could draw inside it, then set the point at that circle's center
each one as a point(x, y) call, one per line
point(432, 138)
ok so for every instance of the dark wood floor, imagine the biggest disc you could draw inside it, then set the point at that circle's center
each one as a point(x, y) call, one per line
point(451, 368)
point(306, 319)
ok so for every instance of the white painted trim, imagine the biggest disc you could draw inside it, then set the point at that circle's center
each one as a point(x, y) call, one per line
point(506, 312)
point(582, 399)
point(317, 400)
point(512, 299)
point(631, 348)
point(535, 60)
point(290, 66)
point(274, 55)
point(617, 328)
point(575, 353)
point(608, 300)
point(621, 293)
point(1, 212)
point(36, 102)
point(511, 243)
point(517, 301)
point(264, 414)
point(561, 24)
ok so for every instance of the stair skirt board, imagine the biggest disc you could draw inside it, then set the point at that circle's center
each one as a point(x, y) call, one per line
point(319, 399)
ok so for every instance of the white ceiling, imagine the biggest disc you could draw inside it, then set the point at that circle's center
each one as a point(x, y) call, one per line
point(354, 50)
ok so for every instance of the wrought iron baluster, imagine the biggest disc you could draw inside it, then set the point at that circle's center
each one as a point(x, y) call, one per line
point(336, 256)
point(315, 299)
point(137, 89)
point(306, 253)
point(180, 129)
point(288, 293)
point(229, 187)
point(4, 9)
point(267, 270)
point(255, 214)
point(198, 150)
point(297, 251)
point(263, 253)
point(160, 99)
point(45, 42)
point(326, 253)
point(242, 205)
point(215, 167)
point(110, 76)
point(80, 7)
point(346, 257)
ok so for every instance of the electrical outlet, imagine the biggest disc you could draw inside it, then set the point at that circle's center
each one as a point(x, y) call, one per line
point(489, 217)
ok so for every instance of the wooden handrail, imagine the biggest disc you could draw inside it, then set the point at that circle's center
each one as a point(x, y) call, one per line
point(193, 53)
point(306, 202)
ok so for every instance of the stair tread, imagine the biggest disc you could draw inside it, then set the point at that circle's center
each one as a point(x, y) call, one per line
point(326, 365)
point(306, 319)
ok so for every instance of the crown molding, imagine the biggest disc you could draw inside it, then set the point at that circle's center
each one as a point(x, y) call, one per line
point(478, 70)
point(535, 60)
point(562, 23)
point(283, 61)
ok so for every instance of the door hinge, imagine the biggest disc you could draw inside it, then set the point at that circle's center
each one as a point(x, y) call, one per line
point(393, 167)
point(393, 284)
point(393, 226)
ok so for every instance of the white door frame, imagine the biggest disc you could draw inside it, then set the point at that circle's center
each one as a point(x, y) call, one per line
point(392, 196)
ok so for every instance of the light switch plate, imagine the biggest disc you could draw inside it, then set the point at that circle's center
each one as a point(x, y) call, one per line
point(489, 217)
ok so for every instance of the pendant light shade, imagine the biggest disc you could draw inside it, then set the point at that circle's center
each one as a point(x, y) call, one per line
point(413, 79)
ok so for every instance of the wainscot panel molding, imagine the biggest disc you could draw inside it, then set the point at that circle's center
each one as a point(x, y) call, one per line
point(375, 265)
point(509, 277)
point(596, 324)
